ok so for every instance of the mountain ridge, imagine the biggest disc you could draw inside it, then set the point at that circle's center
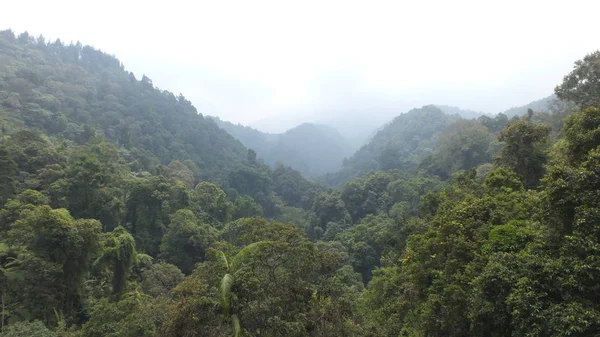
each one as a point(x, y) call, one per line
point(312, 148)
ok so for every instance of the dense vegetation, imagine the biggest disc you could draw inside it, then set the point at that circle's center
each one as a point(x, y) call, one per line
point(125, 213)
point(312, 149)
point(402, 144)
point(545, 104)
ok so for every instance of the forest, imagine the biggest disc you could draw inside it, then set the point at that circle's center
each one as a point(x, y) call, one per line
point(312, 149)
point(125, 212)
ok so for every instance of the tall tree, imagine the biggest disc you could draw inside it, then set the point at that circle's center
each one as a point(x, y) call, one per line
point(118, 254)
point(8, 173)
point(186, 240)
point(524, 150)
point(227, 282)
point(582, 85)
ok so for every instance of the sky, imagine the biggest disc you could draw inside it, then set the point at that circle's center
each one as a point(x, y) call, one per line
point(273, 64)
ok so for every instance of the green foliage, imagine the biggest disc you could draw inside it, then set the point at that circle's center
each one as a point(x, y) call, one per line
point(582, 133)
point(210, 202)
point(29, 329)
point(401, 144)
point(118, 255)
point(329, 207)
point(543, 104)
point(180, 172)
point(160, 279)
point(53, 252)
point(523, 152)
point(367, 194)
point(79, 92)
point(186, 241)
point(364, 243)
point(511, 237)
point(135, 315)
point(256, 183)
point(196, 311)
point(8, 172)
point(496, 124)
point(581, 85)
point(463, 145)
point(148, 207)
point(424, 237)
point(502, 179)
point(293, 188)
point(246, 207)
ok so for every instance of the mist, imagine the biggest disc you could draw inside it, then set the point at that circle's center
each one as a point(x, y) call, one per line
point(353, 66)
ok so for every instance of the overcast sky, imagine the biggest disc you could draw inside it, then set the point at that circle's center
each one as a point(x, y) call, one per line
point(250, 60)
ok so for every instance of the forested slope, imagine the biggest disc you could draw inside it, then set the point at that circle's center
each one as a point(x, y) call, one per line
point(544, 104)
point(78, 92)
point(261, 142)
point(312, 149)
point(451, 227)
point(402, 144)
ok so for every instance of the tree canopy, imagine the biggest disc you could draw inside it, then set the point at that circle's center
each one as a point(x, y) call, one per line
point(125, 213)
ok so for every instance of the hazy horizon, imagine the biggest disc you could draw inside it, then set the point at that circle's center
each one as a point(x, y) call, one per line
point(271, 65)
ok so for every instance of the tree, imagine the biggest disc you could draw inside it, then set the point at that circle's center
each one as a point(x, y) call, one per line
point(225, 290)
point(246, 207)
point(494, 125)
point(89, 182)
point(118, 254)
point(148, 207)
point(366, 195)
point(8, 173)
point(582, 132)
point(186, 240)
point(329, 207)
point(179, 171)
point(134, 315)
point(463, 145)
point(55, 254)
point(524, 150)
point(582, 85)
point(29, 329)
point(251, 157)
point(210, 202)
point(160, 279)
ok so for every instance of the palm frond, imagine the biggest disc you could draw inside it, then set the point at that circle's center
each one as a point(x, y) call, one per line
point(235, 324)
point(225, 291)
point(239, 258)
point(224, 259)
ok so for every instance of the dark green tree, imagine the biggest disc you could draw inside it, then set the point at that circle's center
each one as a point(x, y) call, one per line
point(186, 240)
point(117, 256)
point(523, 152)
point(8, 174)
point(246, 207)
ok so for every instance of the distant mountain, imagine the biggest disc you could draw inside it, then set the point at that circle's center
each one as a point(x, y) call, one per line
point(355, 125)
point(464, 113)
point(312, 149)
point(541, 105)
point(261, 142)
point(354, 114)
point(402, 144)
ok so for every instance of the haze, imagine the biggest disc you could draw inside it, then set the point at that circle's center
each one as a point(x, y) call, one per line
point(275, 64)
